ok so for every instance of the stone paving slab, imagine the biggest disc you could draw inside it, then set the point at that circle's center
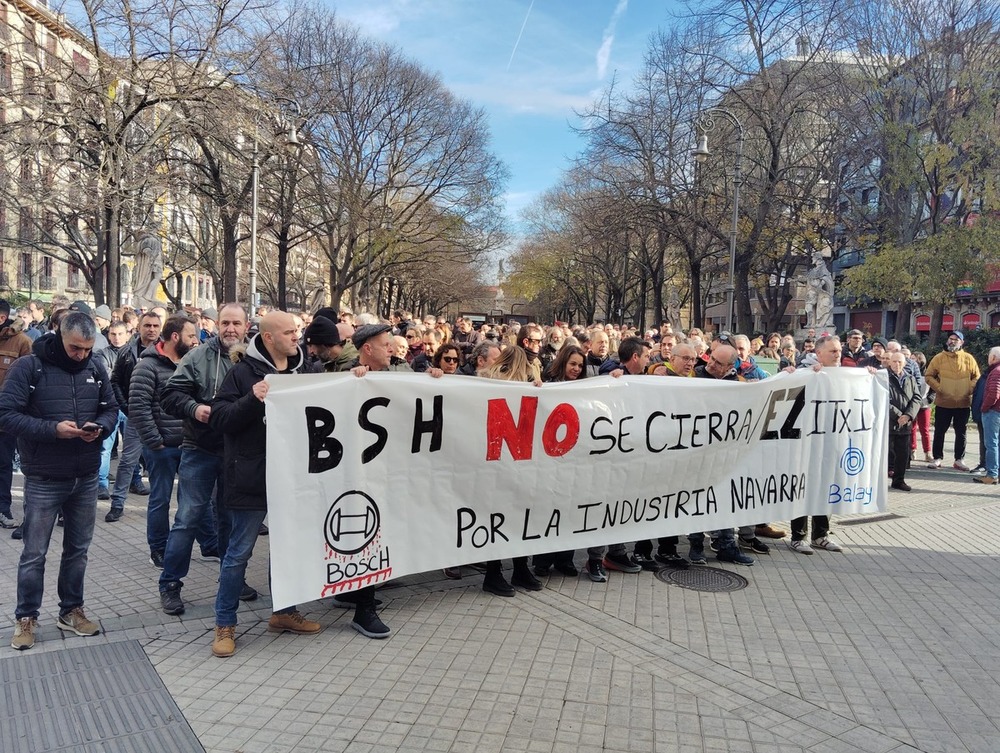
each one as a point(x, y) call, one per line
point(891, 646)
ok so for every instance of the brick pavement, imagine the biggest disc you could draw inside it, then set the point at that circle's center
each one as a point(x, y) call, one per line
point(891, 646)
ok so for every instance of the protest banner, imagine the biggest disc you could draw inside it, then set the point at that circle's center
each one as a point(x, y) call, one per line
point(374, 478)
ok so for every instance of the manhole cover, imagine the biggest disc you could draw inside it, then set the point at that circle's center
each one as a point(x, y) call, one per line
point(703, 579)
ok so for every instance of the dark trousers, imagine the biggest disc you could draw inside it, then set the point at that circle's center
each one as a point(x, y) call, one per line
point(820, 527)
point(665, 545)
point(899, 455)
point(945, 417)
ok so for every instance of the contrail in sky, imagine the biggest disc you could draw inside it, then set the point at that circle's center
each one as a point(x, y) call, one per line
point(516, 43)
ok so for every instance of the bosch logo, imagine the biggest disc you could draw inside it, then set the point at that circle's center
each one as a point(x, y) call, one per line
point(352, 522)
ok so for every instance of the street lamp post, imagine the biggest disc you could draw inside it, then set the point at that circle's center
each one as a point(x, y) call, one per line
point(291, 141)
point(704, 124)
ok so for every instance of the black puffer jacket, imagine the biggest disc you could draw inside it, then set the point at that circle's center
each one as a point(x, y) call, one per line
point(121, 377)
point(45, 388)
point(156, 427)
point(239, 416)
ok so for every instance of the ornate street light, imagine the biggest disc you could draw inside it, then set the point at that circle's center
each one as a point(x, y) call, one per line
point(706, 122)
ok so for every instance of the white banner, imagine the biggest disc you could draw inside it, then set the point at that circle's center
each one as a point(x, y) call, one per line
point(370, 479)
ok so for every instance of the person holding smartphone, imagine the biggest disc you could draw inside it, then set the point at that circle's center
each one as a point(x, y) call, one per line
point(59, 403)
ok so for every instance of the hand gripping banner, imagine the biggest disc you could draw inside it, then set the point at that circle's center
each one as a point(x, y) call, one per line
point(372, 478)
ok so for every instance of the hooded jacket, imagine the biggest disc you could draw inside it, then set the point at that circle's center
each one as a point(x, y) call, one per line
point(953, 377)
point(195, 382)
point(48, 387)
point(156, 427)
point(13, 345)
point(239, 416)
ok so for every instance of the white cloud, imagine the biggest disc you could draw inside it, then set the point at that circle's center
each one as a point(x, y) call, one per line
point(604, 51)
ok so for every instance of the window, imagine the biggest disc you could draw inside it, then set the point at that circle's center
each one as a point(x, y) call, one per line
point(30, 81)
point(5, 80)
point(74, 277)
point(188, 289)
point(26, 224)
point(47, 280)
point(24, 272)
point(81, 64)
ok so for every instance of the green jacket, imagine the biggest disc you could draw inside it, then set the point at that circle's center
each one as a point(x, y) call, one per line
point(196, 382)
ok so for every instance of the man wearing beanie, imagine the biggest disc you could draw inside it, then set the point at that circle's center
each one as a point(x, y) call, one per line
point(952, 374)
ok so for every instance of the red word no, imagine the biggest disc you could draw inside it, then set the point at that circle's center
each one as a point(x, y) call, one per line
point(520, 436)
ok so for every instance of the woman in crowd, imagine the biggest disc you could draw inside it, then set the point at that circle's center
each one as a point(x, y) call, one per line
point(922, 425)
point(511, 366)
point(446, 358)
point(568, 366)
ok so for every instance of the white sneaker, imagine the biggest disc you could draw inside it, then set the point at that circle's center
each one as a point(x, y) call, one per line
point(800, 546)
point(935, 463)
point(6, 521)
point(928, 458)
point(960, 466)
point(827, 543)
point(980, 471)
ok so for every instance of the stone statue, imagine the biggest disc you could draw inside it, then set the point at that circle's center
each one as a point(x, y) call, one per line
point(673, 307)
point(819, 294)
point(148, 271)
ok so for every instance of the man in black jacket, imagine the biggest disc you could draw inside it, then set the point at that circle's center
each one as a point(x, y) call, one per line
point(60, 404)
point(121, 379)
point(238, 414)
point(161, 434)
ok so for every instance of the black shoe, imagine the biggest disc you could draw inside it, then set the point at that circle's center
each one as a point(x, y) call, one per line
point(248, 593)
point(114, 515)
point(367, 623)
point(156, 559)
point(140, 488)
point(713, 544)
point(263, 530)
point(525, 580)
point(350, 600)
point(901, 485)
point(60, 520)
point(17, 533)
point(596, 571)
point(623, 563)
point(567, 568)
point(498, 586)
point(103, 492)
point(647, 563)
point(672, 560)
point(210, 555)
point(542, 571)
point(754, 545)
point(171, 601)
point(696, 555)
point(733, 555)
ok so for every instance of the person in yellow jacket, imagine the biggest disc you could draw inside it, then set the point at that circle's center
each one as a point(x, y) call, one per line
point(952, 375)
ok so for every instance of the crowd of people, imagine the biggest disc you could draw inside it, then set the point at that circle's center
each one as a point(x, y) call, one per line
point(181, 395)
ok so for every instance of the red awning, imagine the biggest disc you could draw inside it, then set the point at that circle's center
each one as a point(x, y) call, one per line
point(970, 321)
point(947, 322)
point(923, 323)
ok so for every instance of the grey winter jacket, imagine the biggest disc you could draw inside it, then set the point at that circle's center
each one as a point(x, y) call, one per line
point(196, 382)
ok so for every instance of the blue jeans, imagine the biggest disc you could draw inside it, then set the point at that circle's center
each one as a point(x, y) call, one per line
point(163, 465)
point(724, 536)
point(106, 447)
point(128, 463)
point(199, 488)
point(246, 524)
point(991, 438)
point(8, 444)
point(76, 499)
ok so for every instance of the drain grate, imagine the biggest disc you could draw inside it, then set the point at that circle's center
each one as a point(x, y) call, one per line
point(103, 698)
point(712, 579)
point(870, 519)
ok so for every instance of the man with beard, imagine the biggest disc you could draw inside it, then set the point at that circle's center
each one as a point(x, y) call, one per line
point(161, 433)
point(189, 394)
point(952, 374)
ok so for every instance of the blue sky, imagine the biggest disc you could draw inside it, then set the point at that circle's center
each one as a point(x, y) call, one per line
point(528, 63)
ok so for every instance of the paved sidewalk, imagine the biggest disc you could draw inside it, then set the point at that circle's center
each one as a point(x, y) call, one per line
point(892, 646)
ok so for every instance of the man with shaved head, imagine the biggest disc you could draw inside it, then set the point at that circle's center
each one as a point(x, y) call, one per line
point(238, 414)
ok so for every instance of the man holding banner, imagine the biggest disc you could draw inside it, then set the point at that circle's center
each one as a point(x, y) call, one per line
point(238, 414)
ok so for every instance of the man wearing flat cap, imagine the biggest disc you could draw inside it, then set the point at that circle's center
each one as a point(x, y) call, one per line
point(375, 350)
point(952, 374)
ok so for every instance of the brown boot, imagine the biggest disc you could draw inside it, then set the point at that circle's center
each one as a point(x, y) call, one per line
point(292, 622)
point(225, 641)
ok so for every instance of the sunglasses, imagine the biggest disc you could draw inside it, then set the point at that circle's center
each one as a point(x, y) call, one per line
point(449, 359)
point(533, 340)
point(411, 337)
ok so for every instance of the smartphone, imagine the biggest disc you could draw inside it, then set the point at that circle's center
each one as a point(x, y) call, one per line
point(91, 427)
